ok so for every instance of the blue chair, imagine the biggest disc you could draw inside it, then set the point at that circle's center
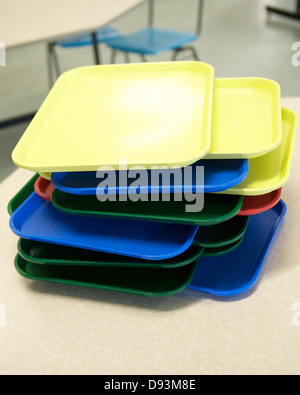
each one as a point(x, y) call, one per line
point(152, 40)
point(92, 39)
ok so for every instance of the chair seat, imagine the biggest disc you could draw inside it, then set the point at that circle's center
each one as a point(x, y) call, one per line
point(151, 41)
point(103, 35)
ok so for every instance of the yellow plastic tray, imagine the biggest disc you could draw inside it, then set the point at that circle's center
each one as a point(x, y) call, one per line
point(246, 120)
point(47, 176)
point(150, 114)
point(271, 171)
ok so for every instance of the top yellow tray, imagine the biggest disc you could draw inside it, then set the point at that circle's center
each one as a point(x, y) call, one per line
point(246, 120)
point(271, 171)
point(149, 114)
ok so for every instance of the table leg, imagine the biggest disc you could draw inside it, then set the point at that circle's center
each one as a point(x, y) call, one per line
point(17, 120)
point(96, 49)
point(49, 65)
point(51, 56)
point(292, 15)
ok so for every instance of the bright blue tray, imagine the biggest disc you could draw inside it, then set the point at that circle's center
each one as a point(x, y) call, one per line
point(219, 175)
point(37, 219)
point(238, 271)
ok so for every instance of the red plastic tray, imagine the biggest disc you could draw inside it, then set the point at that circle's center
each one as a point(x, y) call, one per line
point(258, 204)
point(44, 188)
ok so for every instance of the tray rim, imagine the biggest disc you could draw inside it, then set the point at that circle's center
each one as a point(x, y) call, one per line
point(265, 207)
point(154, 294)
point(18, 152)
point(222, 250)
point(226, 242)
point(147, 264)
point(258, 268)
point(154, 218)
point(292, 117)
point(179, 249)
point(251, 154)
point(240, 176)
point(47, 176)
point(37, 187)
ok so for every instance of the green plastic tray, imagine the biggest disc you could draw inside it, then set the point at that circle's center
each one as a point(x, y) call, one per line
point(223, 234)
point(51, 254)
point(142, 281)
point(22, 195)
point(217, 209)
point(218, 251)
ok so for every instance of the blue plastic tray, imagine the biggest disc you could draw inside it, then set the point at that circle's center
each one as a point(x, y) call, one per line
point(220, 175)
point(238, 271)
point(37, 219)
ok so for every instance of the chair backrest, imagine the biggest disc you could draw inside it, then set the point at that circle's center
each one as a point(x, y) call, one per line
point(151, 9)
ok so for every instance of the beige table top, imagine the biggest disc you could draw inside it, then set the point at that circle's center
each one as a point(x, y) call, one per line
point(30, 21)
point(56, 329)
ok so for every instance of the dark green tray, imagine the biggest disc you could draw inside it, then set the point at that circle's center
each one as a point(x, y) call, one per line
point(223, 234)
point(217, 209)
point(218, 251)
point(22, 195)
point(140, 281)
point(52, 254)
point(210, 236)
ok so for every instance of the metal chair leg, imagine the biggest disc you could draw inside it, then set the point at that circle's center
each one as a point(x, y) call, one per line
point(55, 60)
point(183, 49)
point(49, 66)
point(127, 57)
point(175, 54)
point(96, 48)
point(52, 61)
point(113, 56)
point(195, 54)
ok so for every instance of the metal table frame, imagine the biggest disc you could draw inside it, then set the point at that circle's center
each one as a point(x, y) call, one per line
point(289, 14)
point(29, 117)
point(49, 47)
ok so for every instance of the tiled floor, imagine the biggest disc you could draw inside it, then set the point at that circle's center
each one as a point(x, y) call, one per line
point(237, 39)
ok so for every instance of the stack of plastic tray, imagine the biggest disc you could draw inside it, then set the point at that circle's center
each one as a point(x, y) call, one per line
point(142, 119)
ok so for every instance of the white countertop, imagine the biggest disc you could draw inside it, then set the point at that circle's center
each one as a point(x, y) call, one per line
point(31, 21)
point(48, 328)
